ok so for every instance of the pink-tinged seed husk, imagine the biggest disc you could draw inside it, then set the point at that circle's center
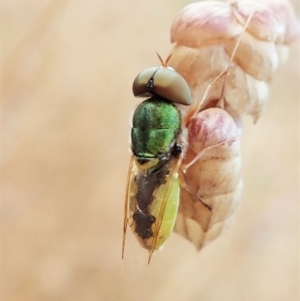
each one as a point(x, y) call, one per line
point(284, 12)
point(215, 177)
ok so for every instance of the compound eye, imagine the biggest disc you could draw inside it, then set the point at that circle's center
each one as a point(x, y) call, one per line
point(162, 81)
point(141, 86)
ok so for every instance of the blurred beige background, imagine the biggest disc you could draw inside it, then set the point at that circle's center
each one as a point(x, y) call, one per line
point(67, 70)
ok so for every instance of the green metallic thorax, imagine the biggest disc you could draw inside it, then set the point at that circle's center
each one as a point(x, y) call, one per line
point(156, 125)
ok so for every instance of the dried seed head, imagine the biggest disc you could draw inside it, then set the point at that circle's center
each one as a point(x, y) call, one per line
point(205, 35)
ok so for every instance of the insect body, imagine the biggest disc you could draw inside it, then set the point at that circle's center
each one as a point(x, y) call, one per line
point(159, 142)
point(156, 127)
point(153, 189)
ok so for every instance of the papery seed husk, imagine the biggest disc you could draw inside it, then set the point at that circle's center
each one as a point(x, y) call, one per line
point(201, 66)
point(202, 21)
point(256, 57)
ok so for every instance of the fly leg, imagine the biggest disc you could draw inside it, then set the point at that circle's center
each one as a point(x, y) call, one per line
point(190, 191)
point(198, 157)
point(184, 168)
point(223, 75)
point(194, 110)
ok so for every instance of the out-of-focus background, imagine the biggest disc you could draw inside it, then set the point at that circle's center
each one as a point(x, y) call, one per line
point(67, 70)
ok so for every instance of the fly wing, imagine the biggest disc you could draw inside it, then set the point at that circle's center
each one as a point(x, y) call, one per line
point(165, 208)
point(163, 204)
point(130, 177)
